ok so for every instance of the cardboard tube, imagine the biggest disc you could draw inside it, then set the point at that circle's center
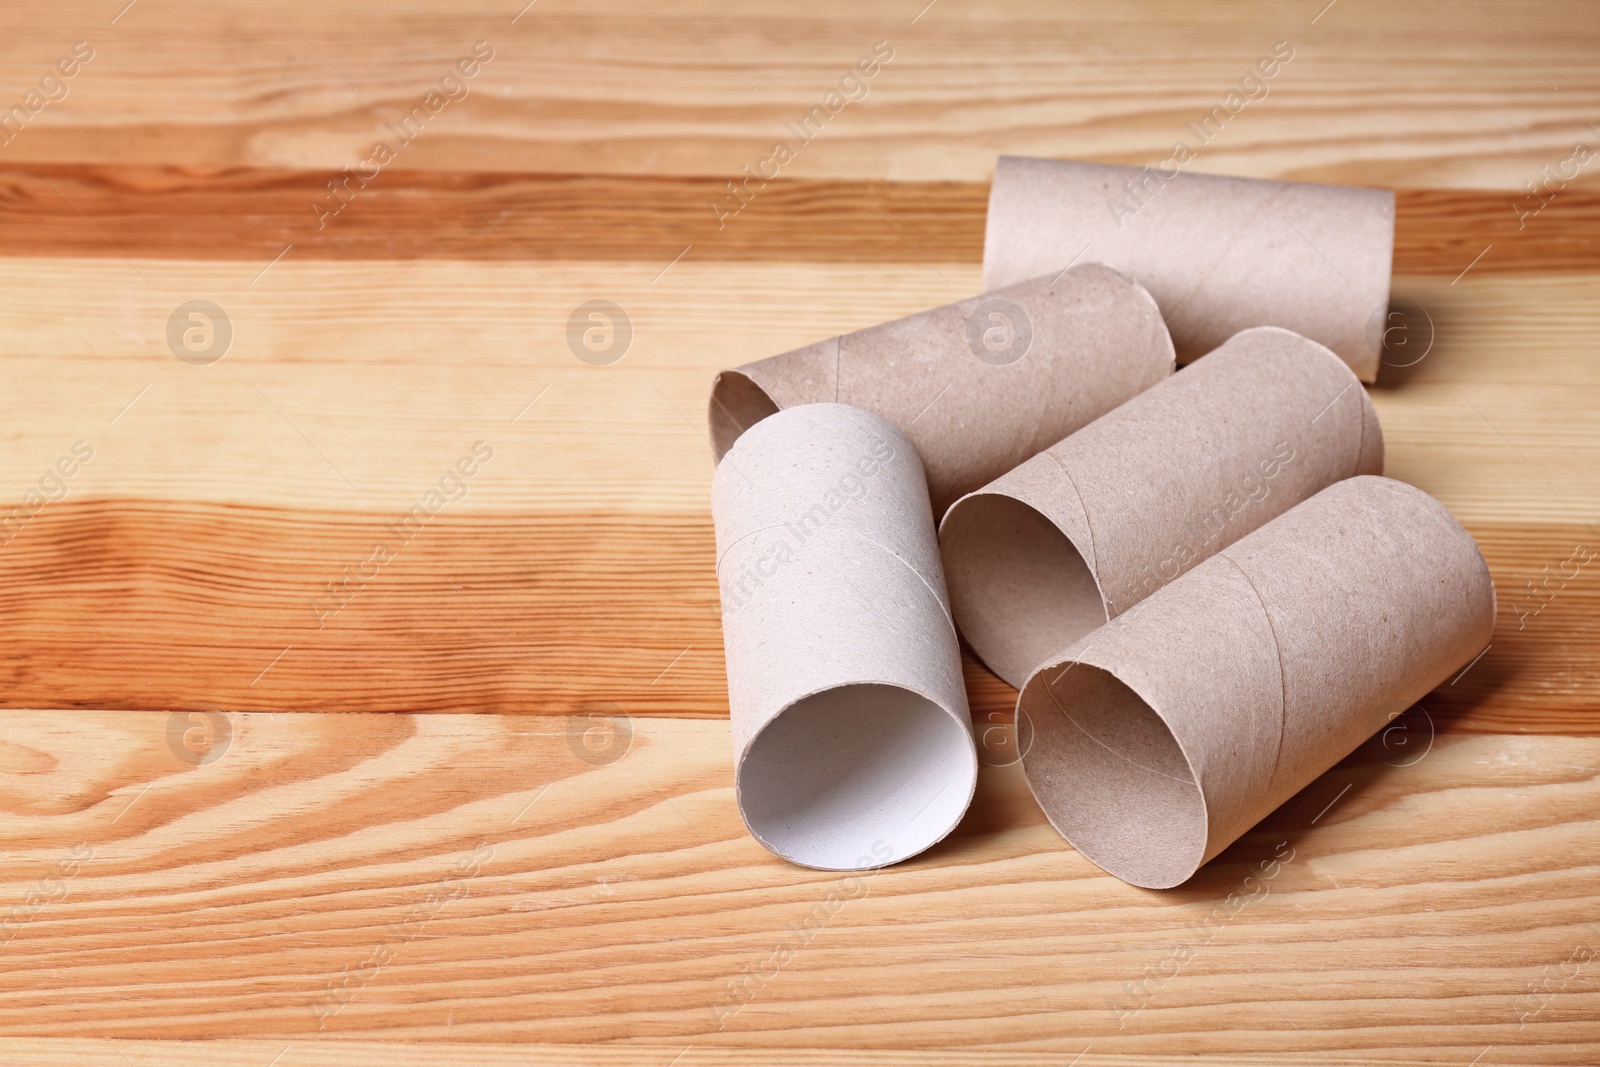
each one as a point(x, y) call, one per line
point(978, 386)
point(851, 732)
point(1088, 528)
point(1219, 254)
point(1163, 736)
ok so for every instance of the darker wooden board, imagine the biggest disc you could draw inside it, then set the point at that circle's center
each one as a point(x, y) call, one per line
point(177, 213)
point(254, 214)
point(147, 605)
point(150, 605)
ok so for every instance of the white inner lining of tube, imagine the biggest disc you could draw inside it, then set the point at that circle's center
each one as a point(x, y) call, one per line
point(857, 776)
point(737, 403)
point(1020, 590)
point(1111, 776)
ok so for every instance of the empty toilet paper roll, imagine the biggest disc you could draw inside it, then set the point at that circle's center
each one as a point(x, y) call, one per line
point(978, 386)
point(1163, 736)
point(851, 734)
point(1219, 254)
point(1088, 528)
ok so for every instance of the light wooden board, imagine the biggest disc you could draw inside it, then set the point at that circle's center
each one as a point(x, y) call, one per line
point(354, 386)
point(591, 882)
point(1479, 94)
point(90, 1052)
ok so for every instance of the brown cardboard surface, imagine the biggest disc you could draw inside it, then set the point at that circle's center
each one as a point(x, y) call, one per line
point(1086, 529)
point(978, 386)
point(1219, 254)
point(1160, 738)
point(851, 732)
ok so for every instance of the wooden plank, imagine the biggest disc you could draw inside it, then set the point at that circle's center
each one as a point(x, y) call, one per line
point(356, 387)
point(493, 878)
point(152, 606)
point(190, 561)
point(255, 213)
point(1499, 91)
point(144, 1052)
point(181, 213)
point(116, 604)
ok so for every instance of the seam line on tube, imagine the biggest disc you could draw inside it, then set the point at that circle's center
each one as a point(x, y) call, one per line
point(741, 539)
point(1361, 431)
point(1277, 648)
point(838, 360)
point(1050, 688)
point(717, 400)
point(1094, 554)
point(861, 536)
point(1205, 275)
point(1361, 422)
point(948, 618)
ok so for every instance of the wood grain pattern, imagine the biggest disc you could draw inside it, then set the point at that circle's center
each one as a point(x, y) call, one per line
point(190, 562)
point(254, 214)
point(353, 388)
point(157, 606)
point(255, 887)
point(1458, 95)
point(144, 1052)
point(581, 900)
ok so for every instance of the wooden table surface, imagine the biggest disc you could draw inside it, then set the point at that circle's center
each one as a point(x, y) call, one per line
point(233, 811)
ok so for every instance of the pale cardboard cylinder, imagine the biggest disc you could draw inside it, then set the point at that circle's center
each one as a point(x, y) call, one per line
point(1088, 528)
point(1163, 736)
point(1219, 254)
point(851, 732)
point(1094, 339)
